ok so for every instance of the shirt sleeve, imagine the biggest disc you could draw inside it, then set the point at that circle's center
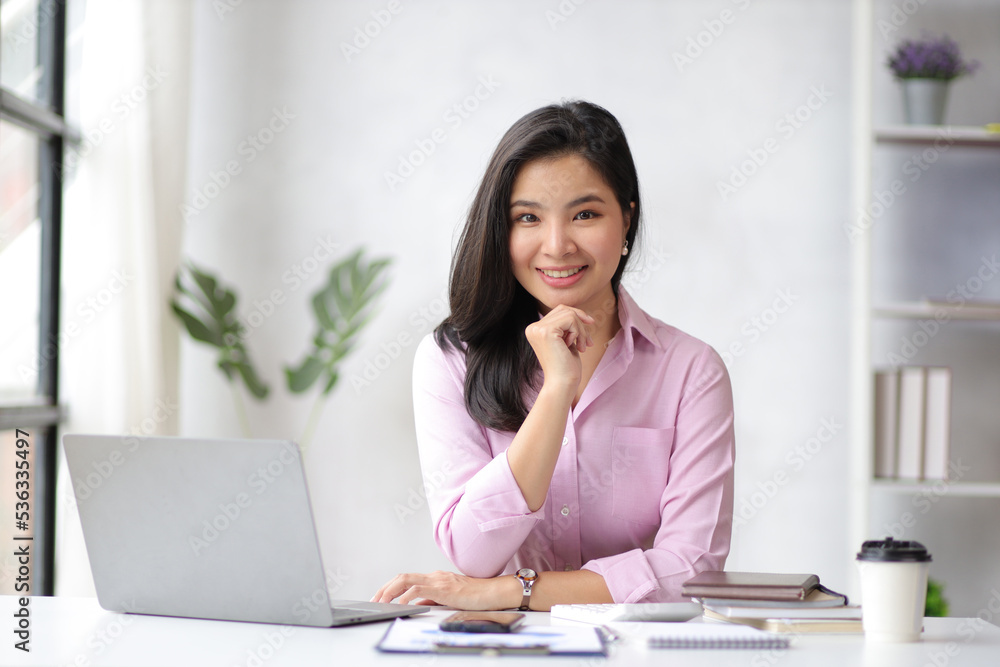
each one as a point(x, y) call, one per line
point(479, 514)
point(696, 508)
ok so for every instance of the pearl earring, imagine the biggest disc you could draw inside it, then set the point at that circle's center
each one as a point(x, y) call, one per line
point(625, 248)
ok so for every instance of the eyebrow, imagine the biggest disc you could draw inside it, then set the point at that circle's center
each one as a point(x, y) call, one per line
point(585, 199)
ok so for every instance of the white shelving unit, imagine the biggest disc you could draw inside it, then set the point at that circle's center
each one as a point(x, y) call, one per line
point(928, 135)
point(866, 141)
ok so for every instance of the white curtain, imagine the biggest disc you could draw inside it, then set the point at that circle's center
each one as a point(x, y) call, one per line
point(129, 62)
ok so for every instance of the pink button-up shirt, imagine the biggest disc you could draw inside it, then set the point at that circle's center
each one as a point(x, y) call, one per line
point(642, 492)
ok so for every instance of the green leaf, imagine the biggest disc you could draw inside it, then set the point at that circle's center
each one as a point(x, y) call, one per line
point(227, 302)
point(250, 379)
point(229, 368)
point(217, 324)
point(321, 311)
point(303, 377)
point(335, 291)
point(374, 269)
point(196, 328)
point(342, 307)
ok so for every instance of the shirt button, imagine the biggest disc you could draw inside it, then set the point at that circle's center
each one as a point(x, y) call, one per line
point(565, 442)
point(565, 510)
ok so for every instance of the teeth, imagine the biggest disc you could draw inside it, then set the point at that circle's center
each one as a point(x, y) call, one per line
point(561, 274)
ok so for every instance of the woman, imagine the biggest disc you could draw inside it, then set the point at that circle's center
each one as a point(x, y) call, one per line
point(586, 448)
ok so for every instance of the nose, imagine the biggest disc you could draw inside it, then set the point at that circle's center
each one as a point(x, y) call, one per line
point(559, 240)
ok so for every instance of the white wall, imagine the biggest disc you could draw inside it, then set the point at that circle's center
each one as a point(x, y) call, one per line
point(761, 104)
point(719, 265)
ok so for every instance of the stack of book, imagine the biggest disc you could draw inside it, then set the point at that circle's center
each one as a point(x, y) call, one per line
point(912, 422)
point(774, 602)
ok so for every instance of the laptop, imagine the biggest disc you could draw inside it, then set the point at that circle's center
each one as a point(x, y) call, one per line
point(206, 528)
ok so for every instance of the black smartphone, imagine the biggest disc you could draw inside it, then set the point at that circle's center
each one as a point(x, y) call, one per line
point(482, 621)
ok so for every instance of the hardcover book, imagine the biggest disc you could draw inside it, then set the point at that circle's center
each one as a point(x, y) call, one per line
point(750, 585)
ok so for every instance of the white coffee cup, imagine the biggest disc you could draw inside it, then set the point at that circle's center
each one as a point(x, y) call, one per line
point(893, 589)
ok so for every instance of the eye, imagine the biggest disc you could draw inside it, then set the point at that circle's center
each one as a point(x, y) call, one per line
point(586, 215)
point(526, 218)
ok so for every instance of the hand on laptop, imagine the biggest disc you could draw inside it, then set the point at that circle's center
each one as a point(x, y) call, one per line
point(452, 590)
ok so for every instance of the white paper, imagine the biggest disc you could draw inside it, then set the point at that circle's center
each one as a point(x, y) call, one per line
point(415, 636)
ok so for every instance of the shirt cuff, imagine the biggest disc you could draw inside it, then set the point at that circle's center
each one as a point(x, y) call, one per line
point(628, 576)
point(495, 498)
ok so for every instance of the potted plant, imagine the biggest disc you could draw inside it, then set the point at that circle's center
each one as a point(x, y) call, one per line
point(925, 67)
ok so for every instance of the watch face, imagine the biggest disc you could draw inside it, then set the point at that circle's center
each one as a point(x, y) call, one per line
point(527, 574)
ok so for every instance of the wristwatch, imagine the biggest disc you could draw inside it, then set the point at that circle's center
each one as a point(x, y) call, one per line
point(527, 577)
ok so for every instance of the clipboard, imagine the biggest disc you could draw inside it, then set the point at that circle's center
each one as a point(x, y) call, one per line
point(420, 637)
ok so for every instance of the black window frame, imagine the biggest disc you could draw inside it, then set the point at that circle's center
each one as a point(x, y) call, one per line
point(43, 415)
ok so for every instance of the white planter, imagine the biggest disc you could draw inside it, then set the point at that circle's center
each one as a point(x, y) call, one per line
point(924, 100)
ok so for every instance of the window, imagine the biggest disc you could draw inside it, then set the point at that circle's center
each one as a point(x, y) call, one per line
point(33, 132)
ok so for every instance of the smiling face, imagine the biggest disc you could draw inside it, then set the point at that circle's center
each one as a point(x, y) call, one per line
point(566, 235)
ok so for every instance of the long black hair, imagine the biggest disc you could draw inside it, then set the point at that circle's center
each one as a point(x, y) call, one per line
point(489, 308)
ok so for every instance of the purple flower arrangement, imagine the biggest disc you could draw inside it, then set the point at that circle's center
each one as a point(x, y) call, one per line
point(930, 58)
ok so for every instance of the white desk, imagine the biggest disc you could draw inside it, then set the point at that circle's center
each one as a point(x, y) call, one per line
point(76, 631)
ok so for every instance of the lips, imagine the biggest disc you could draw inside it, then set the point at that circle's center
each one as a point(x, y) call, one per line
point(562, 277)
point(565, 273)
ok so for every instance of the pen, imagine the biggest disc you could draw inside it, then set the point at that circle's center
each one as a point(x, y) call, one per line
point(609, 634)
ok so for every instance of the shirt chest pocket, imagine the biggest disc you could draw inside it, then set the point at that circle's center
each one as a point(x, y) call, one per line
point(640, 459)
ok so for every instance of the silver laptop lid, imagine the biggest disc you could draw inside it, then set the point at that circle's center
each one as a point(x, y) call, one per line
point(201, 528)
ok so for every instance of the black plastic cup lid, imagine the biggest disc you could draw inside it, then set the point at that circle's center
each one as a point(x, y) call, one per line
point(890, 550)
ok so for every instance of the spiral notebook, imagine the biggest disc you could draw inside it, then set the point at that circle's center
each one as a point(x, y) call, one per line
point(699, 635)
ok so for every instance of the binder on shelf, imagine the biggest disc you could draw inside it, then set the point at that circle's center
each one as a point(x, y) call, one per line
point(912, 397)
point(886, 422)
point(937, 425)
point(912, 435)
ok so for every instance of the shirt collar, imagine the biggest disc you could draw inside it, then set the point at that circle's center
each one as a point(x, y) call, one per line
point(632, 317)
